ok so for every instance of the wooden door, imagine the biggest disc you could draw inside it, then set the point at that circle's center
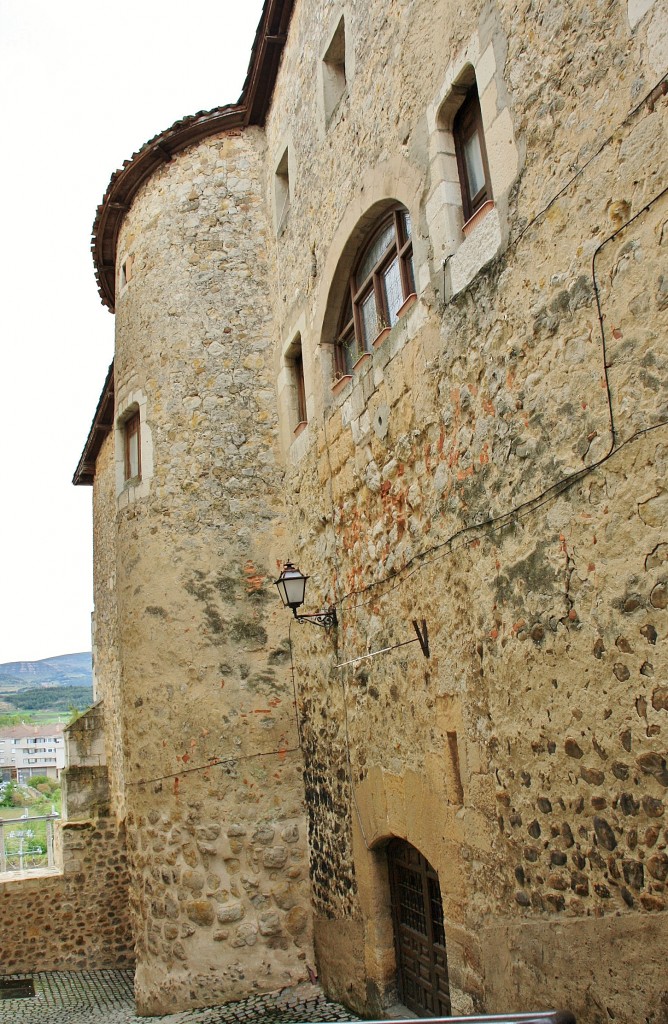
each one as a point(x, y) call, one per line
point(419, 935)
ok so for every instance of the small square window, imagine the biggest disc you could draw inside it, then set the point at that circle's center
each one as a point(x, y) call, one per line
point(126, 271)
point(282, 189)
point(334, 71)
point(300, 387)
point(132, 447)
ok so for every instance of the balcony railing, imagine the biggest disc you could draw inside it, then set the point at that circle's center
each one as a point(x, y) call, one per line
point(27, 843)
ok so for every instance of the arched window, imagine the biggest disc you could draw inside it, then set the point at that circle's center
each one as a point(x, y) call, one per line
point(382, 280)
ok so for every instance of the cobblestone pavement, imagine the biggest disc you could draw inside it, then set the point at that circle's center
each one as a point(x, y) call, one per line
point(83, 997)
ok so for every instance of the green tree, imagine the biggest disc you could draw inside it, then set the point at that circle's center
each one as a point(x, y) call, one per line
point(7, 794)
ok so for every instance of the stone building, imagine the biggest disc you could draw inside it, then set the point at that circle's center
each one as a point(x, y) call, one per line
point(398, 315)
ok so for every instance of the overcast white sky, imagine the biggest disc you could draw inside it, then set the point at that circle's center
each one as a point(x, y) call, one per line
point(82, 85)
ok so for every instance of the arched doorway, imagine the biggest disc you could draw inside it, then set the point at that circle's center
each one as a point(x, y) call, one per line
point(419, 934)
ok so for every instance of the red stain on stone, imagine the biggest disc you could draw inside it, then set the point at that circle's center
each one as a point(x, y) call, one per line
point(254, 580)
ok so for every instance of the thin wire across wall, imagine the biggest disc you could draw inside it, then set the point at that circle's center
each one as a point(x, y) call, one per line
point(524, 509)
point(493, 524)
point(559, 486)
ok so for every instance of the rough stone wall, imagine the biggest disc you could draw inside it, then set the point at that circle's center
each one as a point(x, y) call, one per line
point(74, 920)
point(76, 916)
point(498, 468)
point(212, 767)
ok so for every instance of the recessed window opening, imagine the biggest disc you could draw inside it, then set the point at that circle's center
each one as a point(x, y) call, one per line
point(334, 70)
point(125, 272)
point(300, 387)
point(471, 154)
point(282, 189)
point(132, 447)
point(382, 281)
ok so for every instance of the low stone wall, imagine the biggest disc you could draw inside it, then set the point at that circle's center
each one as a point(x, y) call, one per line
point(73, 919)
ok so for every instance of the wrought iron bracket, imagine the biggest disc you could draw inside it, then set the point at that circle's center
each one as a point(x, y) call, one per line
point(326, 618)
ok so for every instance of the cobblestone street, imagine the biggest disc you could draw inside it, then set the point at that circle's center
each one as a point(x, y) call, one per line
point(89, 996)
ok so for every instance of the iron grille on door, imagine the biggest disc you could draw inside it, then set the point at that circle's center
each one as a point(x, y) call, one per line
point(419, 935)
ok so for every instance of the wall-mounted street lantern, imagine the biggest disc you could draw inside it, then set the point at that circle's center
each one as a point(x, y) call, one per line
point(292, 587)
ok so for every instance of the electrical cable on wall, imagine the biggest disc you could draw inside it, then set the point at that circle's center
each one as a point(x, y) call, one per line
point(569, 480)
point(555, 489)
point(492, 524)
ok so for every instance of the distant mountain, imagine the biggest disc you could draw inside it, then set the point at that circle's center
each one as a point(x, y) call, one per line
point(65, 670)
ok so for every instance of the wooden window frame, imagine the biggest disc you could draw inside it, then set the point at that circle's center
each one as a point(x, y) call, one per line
point(131, 427)
point(350, 325)
point(300, 386)
point(468, 121)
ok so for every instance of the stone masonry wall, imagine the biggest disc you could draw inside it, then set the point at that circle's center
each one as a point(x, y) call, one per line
point(498, 468)
point(212, 766)
point(74, 920)
point(76, 916)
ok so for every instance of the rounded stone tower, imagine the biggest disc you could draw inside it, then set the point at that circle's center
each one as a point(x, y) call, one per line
point(211, 756)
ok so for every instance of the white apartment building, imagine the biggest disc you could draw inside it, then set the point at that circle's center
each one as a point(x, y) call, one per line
point(27, 750)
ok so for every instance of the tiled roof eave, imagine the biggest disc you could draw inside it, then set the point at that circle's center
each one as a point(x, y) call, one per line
point(103, 421)
point(251, 108)
point(126, 182)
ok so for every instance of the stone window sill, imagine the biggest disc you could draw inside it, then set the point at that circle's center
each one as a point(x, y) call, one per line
point(377, 342)
point(408, 302)
point(300, 428)
point(340, 384)
point(364, 358)
point(477, 217)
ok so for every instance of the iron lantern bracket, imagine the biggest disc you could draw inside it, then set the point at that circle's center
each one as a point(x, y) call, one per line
point(327, 617)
